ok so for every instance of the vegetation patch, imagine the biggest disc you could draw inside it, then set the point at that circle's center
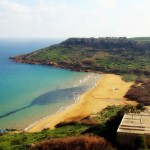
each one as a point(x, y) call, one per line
point(103, 124)
point(140, 91)
point(109, 120)
point(25, 140)
point(109, 55)
point(75, 143)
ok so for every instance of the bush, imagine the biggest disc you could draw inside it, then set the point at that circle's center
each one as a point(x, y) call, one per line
point(140, 91)
point(88, 121)
point(140, 107)
point(62, 124)
point(4, 147)
point(16, 142)
point(75, 143)
point(140, 142)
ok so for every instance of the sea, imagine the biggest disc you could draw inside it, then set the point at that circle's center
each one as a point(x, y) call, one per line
point(28, 92)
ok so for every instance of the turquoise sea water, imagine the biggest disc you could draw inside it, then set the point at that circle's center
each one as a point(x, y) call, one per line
point(31, 92)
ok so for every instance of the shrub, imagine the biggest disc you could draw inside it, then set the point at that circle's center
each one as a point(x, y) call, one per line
point(140, 142)
point(62, 124)
point(88, 121)
point(45, 129)
point(75, 143)
point(140, 91)
point(140, 106)
point(16, 142)
point(88, 61)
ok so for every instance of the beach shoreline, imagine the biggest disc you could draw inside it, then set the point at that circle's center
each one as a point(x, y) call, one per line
point(109, 90)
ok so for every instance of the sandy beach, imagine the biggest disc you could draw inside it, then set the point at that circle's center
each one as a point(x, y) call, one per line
point(109, 90)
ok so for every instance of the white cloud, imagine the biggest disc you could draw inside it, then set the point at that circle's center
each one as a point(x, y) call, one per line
point(13, 6)
point(106, 4)
point(64, 18)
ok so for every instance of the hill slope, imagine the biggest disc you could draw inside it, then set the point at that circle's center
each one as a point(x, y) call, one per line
point(111, 55)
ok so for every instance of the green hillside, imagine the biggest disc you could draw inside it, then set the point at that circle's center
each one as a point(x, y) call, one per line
point(109, 55)
point(129, 57)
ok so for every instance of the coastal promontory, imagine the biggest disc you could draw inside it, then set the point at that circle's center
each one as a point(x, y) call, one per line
point(109, 55)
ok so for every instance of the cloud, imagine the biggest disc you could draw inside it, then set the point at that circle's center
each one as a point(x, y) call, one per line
point(13, 6)
point(65, 18)
point(106, 4)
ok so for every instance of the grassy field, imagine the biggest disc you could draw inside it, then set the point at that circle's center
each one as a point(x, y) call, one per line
point(23, 140)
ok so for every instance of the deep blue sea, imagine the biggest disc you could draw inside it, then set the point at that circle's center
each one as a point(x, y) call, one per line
point(31, 92)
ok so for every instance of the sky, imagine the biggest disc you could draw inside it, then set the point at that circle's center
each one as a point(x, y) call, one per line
point(74, 18)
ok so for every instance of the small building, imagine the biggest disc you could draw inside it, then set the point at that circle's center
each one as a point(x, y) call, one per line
point(3, 131)
point(132, 126)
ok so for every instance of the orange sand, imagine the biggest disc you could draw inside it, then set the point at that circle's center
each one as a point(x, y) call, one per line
point(110, 90)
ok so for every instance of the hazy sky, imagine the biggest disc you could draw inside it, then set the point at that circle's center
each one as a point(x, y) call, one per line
point(74, 18)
